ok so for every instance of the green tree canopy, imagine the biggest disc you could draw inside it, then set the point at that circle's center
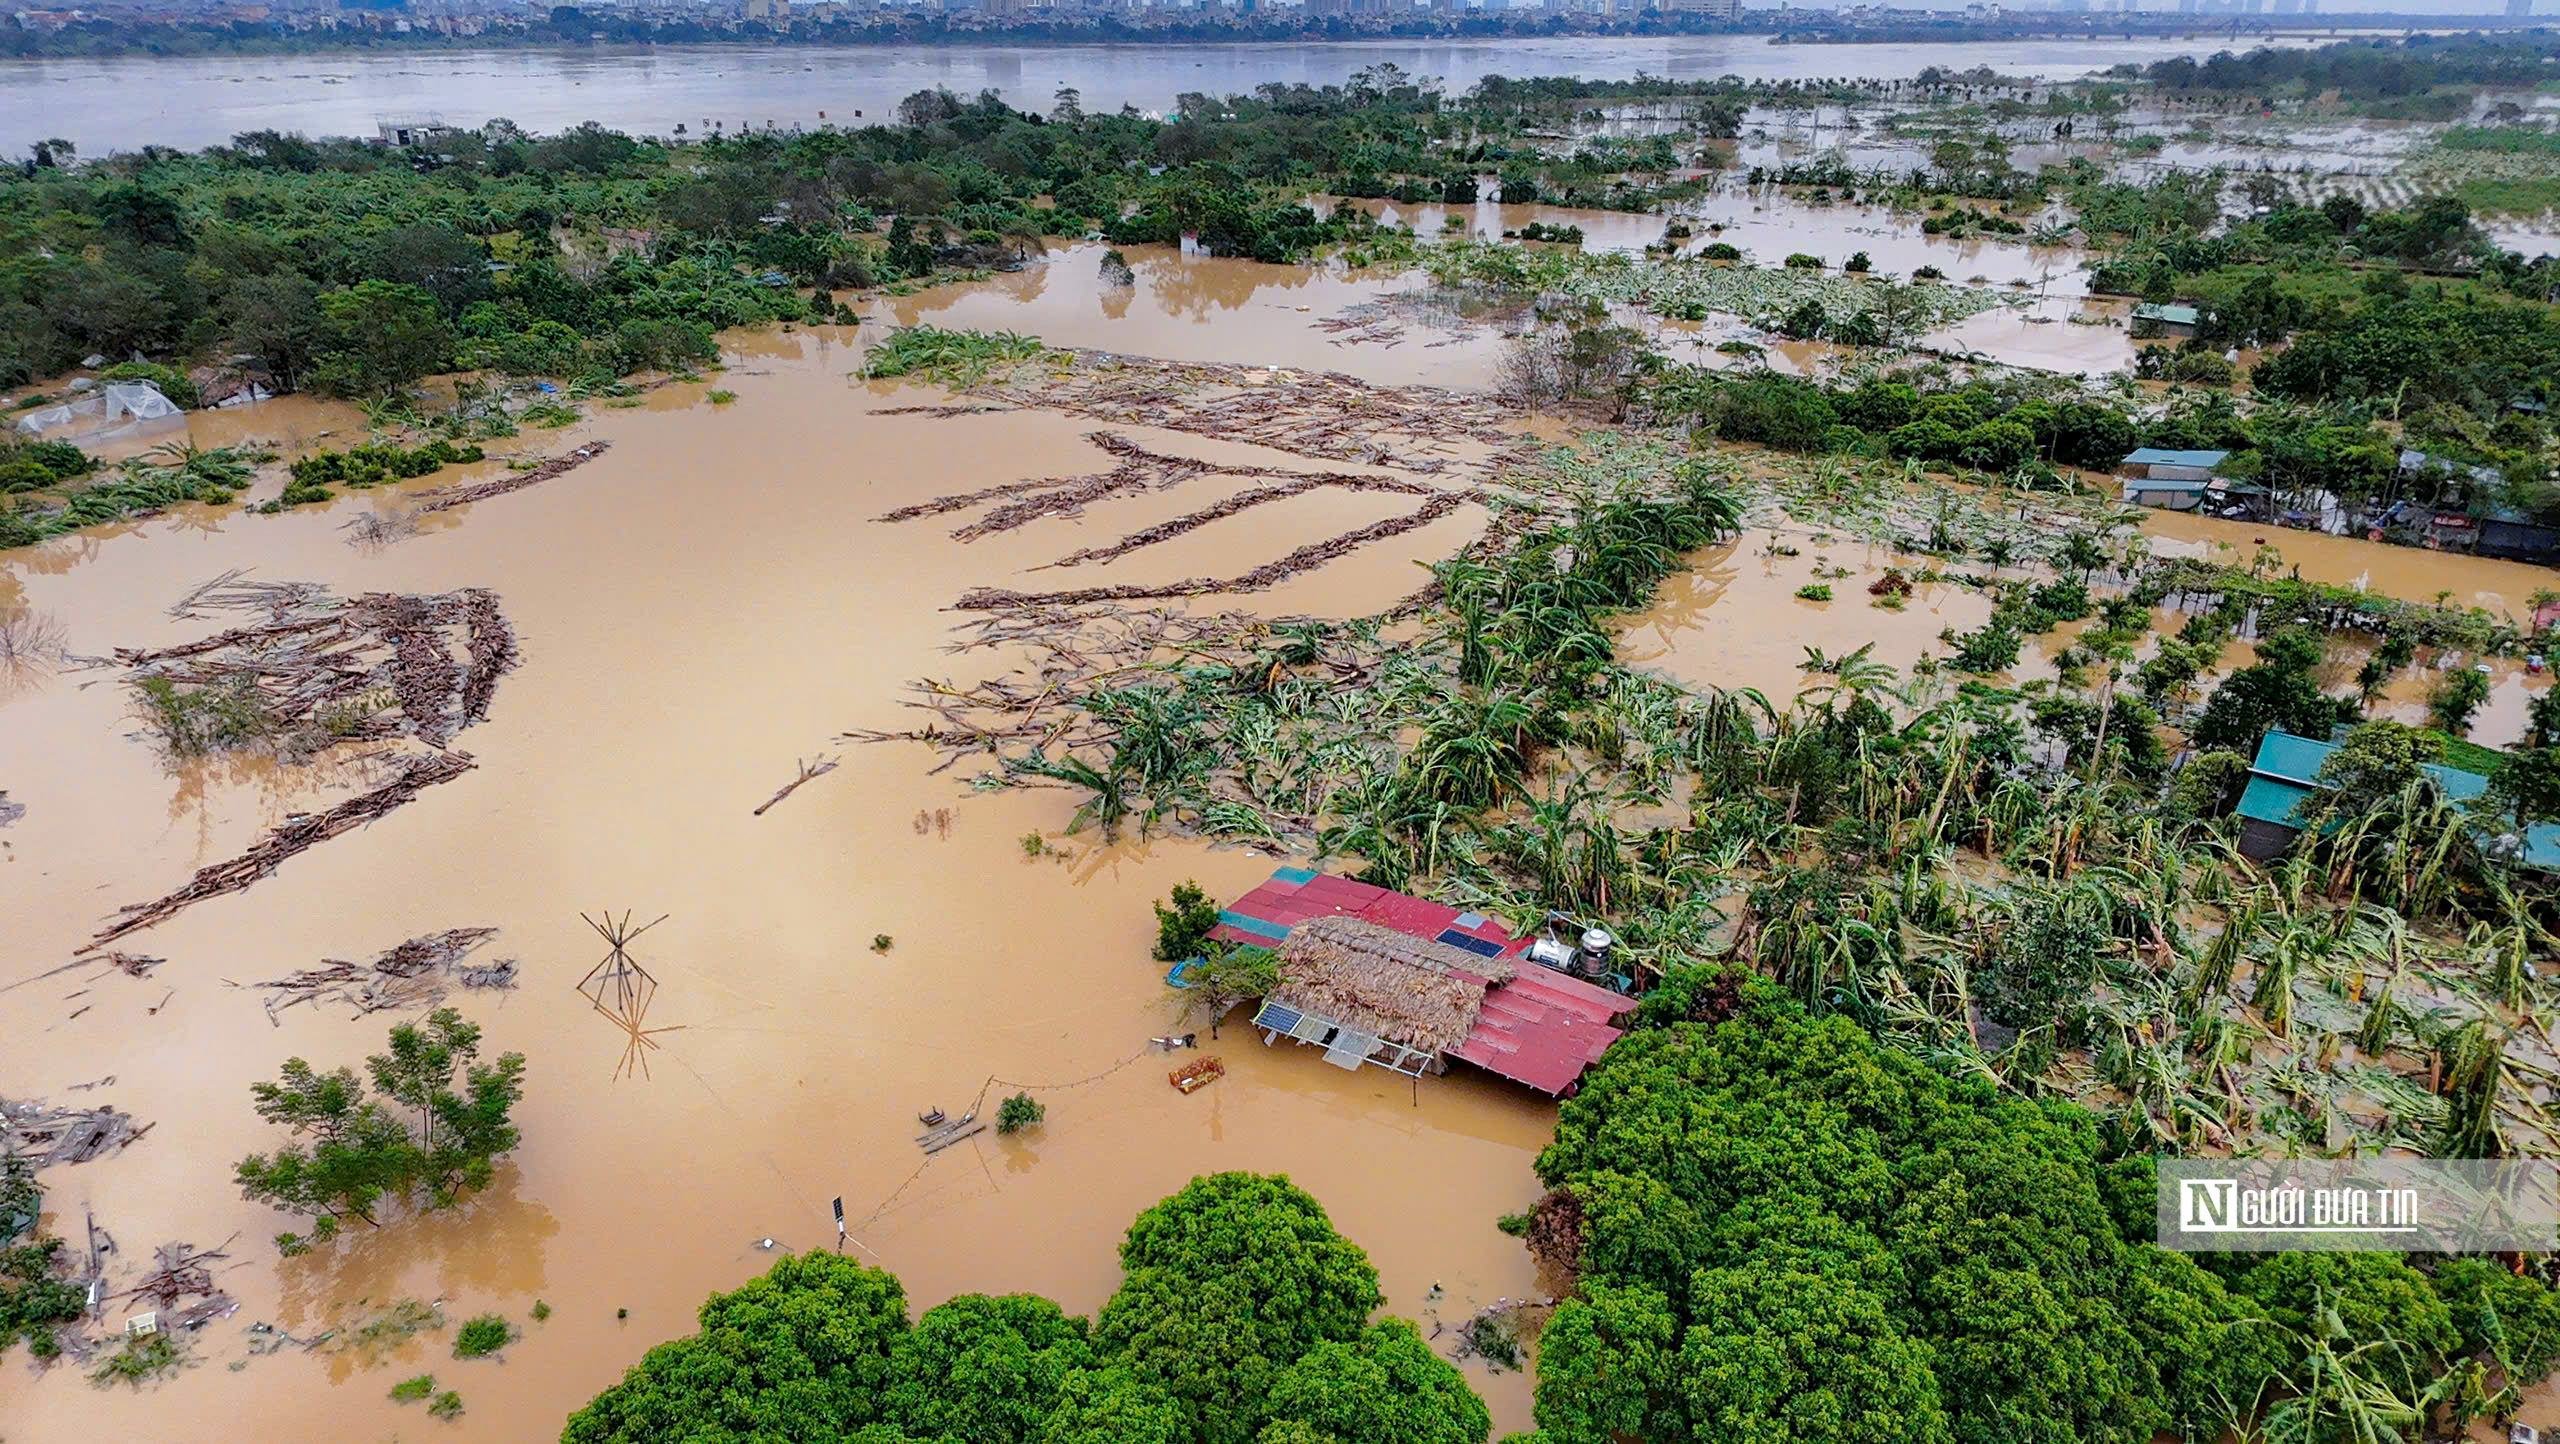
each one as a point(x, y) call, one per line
point(804, 1352)
point(1242, 1317)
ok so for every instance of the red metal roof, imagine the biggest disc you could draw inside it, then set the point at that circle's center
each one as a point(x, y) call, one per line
point(1541, 1028)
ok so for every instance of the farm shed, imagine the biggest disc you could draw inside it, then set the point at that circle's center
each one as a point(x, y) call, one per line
point(1424, 980)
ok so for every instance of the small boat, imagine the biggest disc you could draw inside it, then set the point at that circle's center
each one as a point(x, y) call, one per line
point(929, 1117)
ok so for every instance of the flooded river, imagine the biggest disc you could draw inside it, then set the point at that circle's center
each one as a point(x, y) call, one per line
point(124, 102)
point(699, 608)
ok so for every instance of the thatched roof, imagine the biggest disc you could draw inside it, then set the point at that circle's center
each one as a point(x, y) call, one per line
point(1405, 989)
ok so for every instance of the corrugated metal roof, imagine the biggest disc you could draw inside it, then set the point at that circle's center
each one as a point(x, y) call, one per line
point(2269, 799)
point(2282, 754)
point(2287, 771)
point(1540, 1028)
point(2174, 314)
point(1543, 1029)
point(2161, 456)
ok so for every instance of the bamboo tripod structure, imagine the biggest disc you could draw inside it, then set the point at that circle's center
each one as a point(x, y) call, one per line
point(621, 989)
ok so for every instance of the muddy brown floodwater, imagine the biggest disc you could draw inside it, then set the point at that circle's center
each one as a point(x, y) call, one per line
point(705, 604)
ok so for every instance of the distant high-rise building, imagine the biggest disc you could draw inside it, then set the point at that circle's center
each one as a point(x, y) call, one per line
point(2519, 9)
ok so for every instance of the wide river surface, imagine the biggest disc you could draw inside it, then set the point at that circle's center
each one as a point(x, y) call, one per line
point(125, 102)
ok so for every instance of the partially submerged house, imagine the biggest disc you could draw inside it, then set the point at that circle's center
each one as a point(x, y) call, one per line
point(2467, 516)
point(2286, 775)
point(2165, 320)
point(1381, 978)
point(2185, 481)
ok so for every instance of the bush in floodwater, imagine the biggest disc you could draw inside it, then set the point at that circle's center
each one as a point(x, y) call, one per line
point(411, 1390)
point(212, 718)
point(1800, 261)
point(447, 1405)
point(1182, 929)
point(1815, 591)
point(482, 1336)
point(950, 358)
point(1859, 264)
point(364, 466)
point(144, 1356)
point(1719, 251)
point(1019, 1112)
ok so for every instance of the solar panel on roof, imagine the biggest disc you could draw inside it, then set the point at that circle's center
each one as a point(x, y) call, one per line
point(1277, 1018)
point(1481, 947)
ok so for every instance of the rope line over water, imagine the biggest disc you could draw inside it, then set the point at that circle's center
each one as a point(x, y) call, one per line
point(975, 1104)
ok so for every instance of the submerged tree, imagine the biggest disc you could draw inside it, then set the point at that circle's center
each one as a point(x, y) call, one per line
point(361, 1153)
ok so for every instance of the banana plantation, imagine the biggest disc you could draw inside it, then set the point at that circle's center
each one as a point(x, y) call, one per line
point(2001, 874)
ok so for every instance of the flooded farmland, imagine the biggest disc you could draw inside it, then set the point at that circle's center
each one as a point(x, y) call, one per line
point(699, 609)
point(706, 606)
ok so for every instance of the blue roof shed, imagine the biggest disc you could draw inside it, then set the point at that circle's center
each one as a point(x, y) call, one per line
point(2287, 772)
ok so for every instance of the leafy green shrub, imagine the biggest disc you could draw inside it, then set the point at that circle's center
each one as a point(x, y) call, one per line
point(950, 358)
point(360, 467)
point(1815, 591)
point(61, 458)
point(1019, 1112)
point(1991, 647)
point(212, 718)
point(1719, 251)
point(32, 1298)
point(1858, 264)
point(481, 1336)
point(1800, 261)
point(549, 415)
point(411, 1390)
point(24, 475)
point(143, 1357)
point(1182, 929)
point(447, 1405)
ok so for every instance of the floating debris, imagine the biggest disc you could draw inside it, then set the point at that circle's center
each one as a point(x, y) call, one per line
point(942, 1135)
point(309, 830)
point(446, 498)
point(809, 772)
point(1320, 413)
point(48, 1136)
point(1269, 574)
point(1192, 1077)
point(413, 974)
point(179, 1271)
point(320, 670)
